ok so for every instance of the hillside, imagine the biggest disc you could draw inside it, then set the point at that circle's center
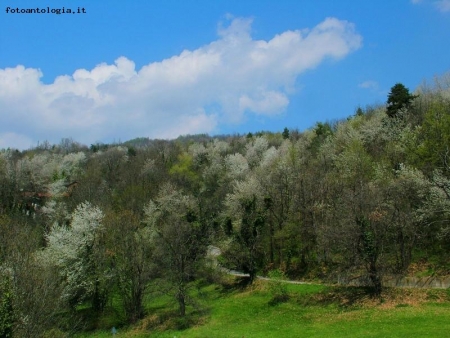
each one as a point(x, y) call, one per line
point(93, 229)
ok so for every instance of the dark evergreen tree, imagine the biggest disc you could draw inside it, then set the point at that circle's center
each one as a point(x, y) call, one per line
point(399, 98)
point(359, 112)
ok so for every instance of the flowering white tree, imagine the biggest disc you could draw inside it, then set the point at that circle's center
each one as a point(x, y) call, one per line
point(34, 172)
point(71, 164)
point(255, 150)
point(73, 250)
point(269, 157)
point(237, 166)
point(436, 209)
point(404, 192)
point(199, 153)
point(55, 212)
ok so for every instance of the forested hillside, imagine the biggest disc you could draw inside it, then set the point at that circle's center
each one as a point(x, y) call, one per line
point(364, 197)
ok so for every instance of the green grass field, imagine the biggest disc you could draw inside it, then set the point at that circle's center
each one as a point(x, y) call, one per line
point(311, 311)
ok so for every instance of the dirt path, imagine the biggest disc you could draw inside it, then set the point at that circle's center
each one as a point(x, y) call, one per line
point(241, 274)
point(403, 282)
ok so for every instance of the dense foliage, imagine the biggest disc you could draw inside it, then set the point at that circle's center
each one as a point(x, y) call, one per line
point(360, 198)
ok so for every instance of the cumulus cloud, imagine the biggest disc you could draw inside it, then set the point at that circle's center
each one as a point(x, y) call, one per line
point(192, 92)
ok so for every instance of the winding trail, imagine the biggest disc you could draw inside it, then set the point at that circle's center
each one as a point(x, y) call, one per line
point(405, 282)
point(399, 282)
point(241, 274)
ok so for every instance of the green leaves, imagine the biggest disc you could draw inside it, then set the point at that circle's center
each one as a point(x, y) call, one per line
point(6, 307)
point(434, 151)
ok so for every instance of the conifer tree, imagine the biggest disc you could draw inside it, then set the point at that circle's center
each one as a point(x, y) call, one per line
point(399, 98)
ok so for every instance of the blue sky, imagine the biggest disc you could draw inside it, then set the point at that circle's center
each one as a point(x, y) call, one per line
point(160, 69)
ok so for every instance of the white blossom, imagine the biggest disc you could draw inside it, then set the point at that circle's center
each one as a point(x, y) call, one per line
point(269, 157)
point(236, 165)
point(255, 150)
point(69, 249)
point(243, 191)
point(71, 163)
point(218, 147)
point(198, 152)
point(371, 128)
point(56, 212)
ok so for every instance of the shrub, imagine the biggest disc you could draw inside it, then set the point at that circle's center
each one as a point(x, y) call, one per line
point(278, 287)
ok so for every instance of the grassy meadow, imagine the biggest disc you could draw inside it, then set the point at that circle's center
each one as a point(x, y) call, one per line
point(308, 311)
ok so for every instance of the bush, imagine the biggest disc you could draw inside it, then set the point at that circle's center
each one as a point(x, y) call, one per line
point(278, 287)
point(6, 309)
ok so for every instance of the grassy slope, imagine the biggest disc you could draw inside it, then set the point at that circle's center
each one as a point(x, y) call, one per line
point(312, 311)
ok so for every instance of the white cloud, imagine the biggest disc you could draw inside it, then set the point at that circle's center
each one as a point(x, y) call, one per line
point(188, 93)
point(266, 103)
point(369, 85)
point(443, 5)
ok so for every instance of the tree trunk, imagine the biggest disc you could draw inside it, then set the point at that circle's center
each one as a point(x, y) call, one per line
point(375, 280)
point(181, 303)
